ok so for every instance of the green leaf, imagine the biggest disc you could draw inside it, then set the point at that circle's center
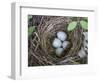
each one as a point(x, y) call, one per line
point(85, 18)
point(29, 17)
point(71, 26)
point(30, 30)
point(84, 24)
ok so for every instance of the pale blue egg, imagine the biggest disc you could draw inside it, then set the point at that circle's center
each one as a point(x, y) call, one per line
point(56, 43)
point(59, 51)
point(62, 35)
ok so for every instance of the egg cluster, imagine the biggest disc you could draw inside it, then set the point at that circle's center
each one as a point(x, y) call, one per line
point(60, 43)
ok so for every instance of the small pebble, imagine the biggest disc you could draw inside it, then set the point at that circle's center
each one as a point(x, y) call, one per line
point(82, 53)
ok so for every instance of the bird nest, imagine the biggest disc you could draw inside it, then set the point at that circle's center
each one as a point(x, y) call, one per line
point(40, 49)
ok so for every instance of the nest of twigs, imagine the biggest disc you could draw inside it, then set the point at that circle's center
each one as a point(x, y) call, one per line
point(40, 50)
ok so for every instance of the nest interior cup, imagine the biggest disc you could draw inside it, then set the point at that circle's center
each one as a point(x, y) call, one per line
point(40, 49)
